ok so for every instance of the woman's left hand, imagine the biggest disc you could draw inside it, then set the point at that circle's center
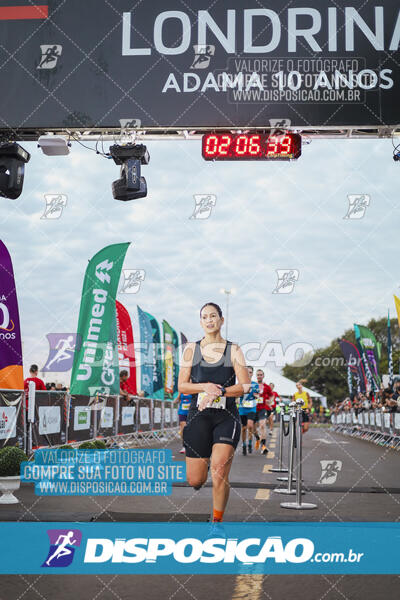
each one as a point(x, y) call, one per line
point(206, 401)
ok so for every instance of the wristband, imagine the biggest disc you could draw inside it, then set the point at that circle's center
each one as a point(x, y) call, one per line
point(223, 391)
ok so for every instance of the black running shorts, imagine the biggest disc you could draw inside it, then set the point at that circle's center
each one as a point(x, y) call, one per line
point(208, 427)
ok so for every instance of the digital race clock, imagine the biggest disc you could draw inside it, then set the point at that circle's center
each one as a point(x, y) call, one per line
point(251, 146)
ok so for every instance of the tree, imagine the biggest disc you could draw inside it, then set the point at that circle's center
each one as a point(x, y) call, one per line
point(326, 369)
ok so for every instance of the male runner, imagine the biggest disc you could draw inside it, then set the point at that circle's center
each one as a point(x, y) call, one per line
point(264, 393)
point(272, 404)
point(307, 405)
point(247, 413)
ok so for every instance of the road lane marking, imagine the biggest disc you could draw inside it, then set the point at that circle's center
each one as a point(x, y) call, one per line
point(248, 586)
point(263, 494)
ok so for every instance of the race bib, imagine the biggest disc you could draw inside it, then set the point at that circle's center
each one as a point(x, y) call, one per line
point(185, 405)
point(260, 400)
point(248, 404)
point(219, 402)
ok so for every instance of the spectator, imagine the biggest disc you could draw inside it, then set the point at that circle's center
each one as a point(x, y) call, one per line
point(33, 372)
point(123, 384)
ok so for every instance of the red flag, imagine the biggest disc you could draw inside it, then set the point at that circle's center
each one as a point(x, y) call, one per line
point(126, 350)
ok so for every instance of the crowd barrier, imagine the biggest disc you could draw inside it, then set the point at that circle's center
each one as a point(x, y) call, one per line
point(377, 426)
point(51, 419)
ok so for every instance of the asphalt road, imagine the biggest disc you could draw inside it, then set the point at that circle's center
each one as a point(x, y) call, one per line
point(367, 488)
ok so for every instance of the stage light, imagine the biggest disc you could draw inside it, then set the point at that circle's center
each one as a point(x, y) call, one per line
point(12, 168)
point(53, 145)
point(131, 185)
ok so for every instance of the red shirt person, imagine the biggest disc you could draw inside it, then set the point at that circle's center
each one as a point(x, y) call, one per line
point(33, 371)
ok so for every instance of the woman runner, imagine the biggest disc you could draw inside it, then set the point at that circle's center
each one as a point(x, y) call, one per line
point(209, 369)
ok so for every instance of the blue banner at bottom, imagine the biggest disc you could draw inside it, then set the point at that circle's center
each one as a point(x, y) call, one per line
point(195, 548)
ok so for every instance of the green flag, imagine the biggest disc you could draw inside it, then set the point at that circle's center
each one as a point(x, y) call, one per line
point(371, 348)
point(95, 366)
point(168, 360)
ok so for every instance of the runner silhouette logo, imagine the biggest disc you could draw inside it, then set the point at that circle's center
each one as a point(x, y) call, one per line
point(50, 55)
point(63, 543)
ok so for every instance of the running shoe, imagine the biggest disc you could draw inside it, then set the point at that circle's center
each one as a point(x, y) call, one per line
point(257, 445)
point(216, 531)
point(270, 433)
point(182, 450)
point(250, 449)
point(244, 451)
point(264, 450)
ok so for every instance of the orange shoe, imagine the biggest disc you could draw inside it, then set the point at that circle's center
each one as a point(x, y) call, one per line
point(257, 445)
point(264, 450)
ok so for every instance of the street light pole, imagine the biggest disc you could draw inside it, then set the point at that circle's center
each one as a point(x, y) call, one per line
point(228, 293)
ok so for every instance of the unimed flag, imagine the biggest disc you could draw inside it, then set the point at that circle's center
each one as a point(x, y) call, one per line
point(11, 371)
point(95, 367)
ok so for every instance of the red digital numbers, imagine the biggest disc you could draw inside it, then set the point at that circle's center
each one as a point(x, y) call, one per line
point(247, 146)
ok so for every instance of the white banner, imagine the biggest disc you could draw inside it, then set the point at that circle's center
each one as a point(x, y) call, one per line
point(157, 414)
point(386, 420)
point(81, 417)
point(107, 417)
point(167, 415)
point(49, 419)
point(379, 419)
point(397, 420)
point(8, 422)
point(144, 415)
point(128, 415)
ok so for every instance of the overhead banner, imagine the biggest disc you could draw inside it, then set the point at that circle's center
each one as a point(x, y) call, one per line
point(95, 367)
point(146, 353)
point(126, 350)
point(165, 63)
point(157, 362)
point(11, 371)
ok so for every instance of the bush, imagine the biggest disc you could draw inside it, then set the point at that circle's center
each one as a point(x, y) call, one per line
point(65, 447)
point(11, 458)
point(87, 446)
point(100, 445)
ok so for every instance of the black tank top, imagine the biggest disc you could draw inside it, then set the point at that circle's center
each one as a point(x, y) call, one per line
point(221, 372)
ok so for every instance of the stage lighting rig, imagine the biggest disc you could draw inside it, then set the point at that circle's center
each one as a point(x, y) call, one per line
point(12, 168)
point(131, 184)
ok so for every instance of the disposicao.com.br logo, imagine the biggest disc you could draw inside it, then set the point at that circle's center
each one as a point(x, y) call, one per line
point(164, 548)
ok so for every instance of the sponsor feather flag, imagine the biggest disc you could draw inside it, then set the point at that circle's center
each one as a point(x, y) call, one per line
point(157, 363)
point(126, 350)
point(11, 370)
point(95, 367)
point(390, 353)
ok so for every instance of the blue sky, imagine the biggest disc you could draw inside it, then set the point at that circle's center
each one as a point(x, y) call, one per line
point(267, 217)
